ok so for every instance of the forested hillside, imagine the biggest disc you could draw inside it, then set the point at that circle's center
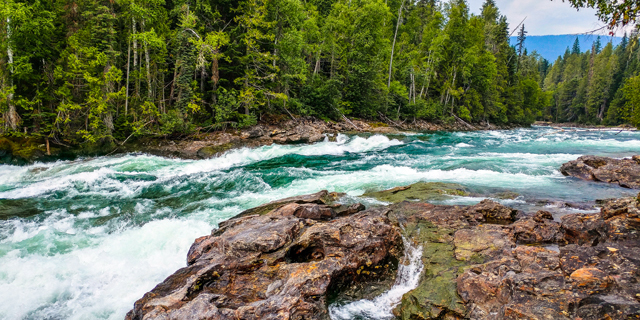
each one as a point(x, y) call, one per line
point(550, 47)
point(599, 86)
point(78, 71)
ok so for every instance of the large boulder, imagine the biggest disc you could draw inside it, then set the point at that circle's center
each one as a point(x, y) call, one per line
point(278, 265)
point(624, 172)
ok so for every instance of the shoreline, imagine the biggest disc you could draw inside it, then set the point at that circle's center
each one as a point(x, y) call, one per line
point(574, 125)
point(17, 151)
point(210, 144)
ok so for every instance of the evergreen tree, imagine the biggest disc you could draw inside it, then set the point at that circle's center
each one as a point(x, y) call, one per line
point(576, 47)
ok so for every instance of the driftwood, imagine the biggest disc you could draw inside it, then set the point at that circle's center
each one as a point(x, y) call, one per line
point(464, 122)
point(385, 118)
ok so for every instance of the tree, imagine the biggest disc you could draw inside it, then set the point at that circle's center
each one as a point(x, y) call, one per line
point(575, 49)
point(614, 13)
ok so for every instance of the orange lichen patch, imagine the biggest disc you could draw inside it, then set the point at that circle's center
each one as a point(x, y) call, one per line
point(591, 278)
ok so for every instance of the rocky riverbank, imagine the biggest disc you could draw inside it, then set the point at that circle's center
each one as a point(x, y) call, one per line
point(624, 172)
point(291, 258)
point(562, 125)
point(208, 144)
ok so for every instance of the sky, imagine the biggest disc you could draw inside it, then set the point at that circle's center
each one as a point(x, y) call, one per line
point(545, 17)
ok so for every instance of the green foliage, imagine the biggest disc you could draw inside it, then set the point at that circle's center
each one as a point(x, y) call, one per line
point(631, 109)
point(92, 71)
point(589, 87)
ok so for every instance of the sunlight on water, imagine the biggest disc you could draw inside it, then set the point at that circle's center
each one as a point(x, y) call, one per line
point(84, 239)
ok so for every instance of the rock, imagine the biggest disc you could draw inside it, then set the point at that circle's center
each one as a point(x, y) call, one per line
point(583, 228)
point(421, 191)
point(540, 229)
point(278, 265)
point(624, 172)
point(321, 197)
point(255, 132)
point(301, 133)
point(541, 216)
point(482, 242)
point(284, 259)
point(506, 195)
point(494, 212)
point(349, 210)
point(597, 277)
point(213, 150)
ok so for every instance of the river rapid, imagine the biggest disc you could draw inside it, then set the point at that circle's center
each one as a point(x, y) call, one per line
point(85, 239)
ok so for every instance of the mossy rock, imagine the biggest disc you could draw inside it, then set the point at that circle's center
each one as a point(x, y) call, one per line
point(23, 151)
point(421, 191)
point(211, 151)
point(507, 195)
point(436, 294)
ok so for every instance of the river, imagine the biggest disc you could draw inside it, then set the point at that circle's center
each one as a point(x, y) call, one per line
point(85, 239)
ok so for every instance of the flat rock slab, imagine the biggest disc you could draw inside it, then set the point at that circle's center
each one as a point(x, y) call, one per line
point(624, 172)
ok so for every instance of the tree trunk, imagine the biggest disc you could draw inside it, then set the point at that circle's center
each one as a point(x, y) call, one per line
point(393, 46)
point(135, 52)
point(126, 101)
point(147, 58)
point(317, 65)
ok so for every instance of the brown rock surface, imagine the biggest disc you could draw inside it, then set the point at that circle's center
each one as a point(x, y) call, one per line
point(279, 265)
point(624, 172)
point(597, 276)
point(282, 261)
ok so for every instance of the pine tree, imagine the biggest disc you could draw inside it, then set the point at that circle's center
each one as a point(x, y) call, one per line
point(576, 47)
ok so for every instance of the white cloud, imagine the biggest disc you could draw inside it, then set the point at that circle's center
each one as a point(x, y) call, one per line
point(544, 17)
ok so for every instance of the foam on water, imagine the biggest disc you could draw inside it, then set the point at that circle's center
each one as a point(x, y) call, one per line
point(381, 307)
point(94, 281)
point(84, 239)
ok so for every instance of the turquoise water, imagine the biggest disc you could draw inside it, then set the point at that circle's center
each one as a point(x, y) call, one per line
point(84, 239)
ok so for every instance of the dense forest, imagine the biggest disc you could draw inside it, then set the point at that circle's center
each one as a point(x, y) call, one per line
point(599, 86)
point(86, 71)
point(89, 70)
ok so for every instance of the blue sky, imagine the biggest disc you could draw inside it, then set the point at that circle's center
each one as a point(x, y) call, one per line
point(544, 16)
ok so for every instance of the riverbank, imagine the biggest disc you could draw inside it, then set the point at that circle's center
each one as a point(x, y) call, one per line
point(573, 125)
point(205, 145)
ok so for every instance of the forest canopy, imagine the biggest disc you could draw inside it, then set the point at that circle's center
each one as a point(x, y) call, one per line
point(86, 71)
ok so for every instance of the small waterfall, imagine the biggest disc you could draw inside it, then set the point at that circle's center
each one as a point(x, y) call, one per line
point(381, 307)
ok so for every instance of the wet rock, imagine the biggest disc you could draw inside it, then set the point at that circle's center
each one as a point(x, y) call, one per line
point(584, 228)
point(494, 212)
point(624, 172)
point(302, 133)
point(542, 215)
point(421, 191)
point(322, 197)
point(306, 211)
point(539, 229)
point(597, 276)
point(481, 242)
point(507, 195)
point(214, 150)
point(282, 261)
point(278, 265)
point(349, 210)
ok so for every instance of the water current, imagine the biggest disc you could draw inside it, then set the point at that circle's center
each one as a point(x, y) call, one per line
point(84, 239)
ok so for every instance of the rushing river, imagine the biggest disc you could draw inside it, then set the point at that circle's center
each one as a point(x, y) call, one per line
point(84, 239)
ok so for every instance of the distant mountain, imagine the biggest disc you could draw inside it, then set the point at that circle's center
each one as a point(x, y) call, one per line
point(550, 47)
